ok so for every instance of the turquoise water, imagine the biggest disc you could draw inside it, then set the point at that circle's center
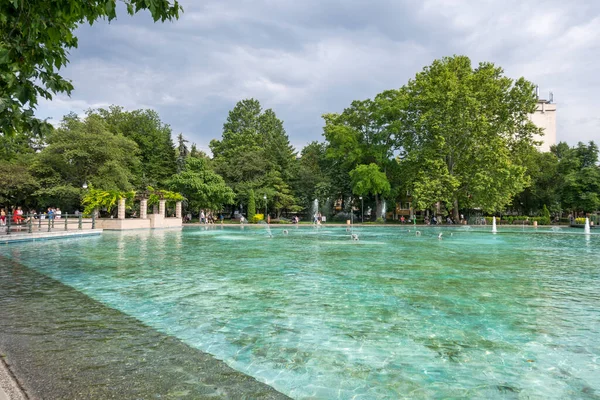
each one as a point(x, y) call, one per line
point(317, 315)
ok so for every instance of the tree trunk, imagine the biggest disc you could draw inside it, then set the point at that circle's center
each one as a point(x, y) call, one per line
point(378, 207)
point(455, 211)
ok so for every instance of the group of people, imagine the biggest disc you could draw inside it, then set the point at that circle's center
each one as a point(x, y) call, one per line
point(449, 221)
point(18, 217)
point(209, 217)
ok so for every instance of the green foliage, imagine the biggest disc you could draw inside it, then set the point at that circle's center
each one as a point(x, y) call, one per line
point(98, 199)
point(545, 212)
point(463, 133)
point(542, 171)
point(580, 221)
point(257, 218)
point(35, 37)
point(157, 154)
point(202, 186)
point(17, 184)
point(251, 205)
point(86, 151)
point(368, 179)
point(578, 176)
point(155, 195)
point(65, 196)
point(255, 153)
point(361, 135)
point(313, 178)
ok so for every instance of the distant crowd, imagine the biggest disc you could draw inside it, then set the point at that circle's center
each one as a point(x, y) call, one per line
point(18, 217)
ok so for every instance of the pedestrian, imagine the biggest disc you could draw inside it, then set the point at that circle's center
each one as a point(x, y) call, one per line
point(58, 213)
point(202, 217)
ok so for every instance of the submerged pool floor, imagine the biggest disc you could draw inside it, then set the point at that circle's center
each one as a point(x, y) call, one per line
point(310, 312)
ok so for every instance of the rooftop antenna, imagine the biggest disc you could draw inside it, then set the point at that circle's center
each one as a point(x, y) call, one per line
point(551, 97)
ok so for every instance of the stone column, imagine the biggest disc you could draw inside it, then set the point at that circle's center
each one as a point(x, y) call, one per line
point(162, 207)
point(178, 210)
point(121, 214)
point(144, 208)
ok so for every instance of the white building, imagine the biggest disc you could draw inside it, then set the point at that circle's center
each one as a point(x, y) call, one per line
point(545, 117)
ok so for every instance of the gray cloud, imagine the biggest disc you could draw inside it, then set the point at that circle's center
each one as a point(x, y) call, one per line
point(307, 58)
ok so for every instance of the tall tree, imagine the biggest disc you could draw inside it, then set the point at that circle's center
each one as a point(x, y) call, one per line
point(312, 179)
point(255, 153)
point(463, 132)
point(182, 152)
point(35, 37)
point(360, 135)
point(369, 180)
point(251, 205)
point(153, 137)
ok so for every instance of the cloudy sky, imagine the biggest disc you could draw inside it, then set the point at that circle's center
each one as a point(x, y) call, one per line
point(306, 58)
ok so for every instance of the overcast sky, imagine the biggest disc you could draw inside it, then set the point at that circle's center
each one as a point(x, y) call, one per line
point(306, 58)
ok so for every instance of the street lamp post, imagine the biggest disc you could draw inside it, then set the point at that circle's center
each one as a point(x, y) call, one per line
point(265, 197)
point(362, 214)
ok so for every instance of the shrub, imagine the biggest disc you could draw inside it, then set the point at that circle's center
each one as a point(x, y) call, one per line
point(257, 218)
point(380, 220)
point(580, 221)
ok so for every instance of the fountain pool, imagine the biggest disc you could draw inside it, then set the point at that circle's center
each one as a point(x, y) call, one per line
point(316, 315)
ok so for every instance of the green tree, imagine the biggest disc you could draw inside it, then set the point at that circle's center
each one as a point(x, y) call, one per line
point(35, 37)
point(369, 180)
point(361, 135)
point(579, 176)
point(182, 152)
point(251, 205)
point(202, 186)
point(158, 160)
point(255, 153)
point(542, 171)
point(312, 179)
point(463, 133)
point(15, 146)
point(84, 152)
point(17, 183)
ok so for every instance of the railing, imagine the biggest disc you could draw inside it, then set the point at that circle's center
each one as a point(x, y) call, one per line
point(30, 223)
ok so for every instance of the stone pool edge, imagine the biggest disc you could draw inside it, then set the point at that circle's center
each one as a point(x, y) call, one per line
point(17, 384)
point(10, 389)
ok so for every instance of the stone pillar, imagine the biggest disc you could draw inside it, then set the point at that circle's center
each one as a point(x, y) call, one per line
point(144, 208)
point(178, 210)
point(162, 207)
point(121, 214)
point(154, 209)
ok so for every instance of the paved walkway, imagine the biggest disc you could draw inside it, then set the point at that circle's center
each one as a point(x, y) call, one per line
point(30, 237)
point(9, 390)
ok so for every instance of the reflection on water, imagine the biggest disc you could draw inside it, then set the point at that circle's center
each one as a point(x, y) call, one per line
point(317, 315)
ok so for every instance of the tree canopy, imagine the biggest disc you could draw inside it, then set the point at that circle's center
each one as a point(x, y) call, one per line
point(255, 154)
point(463, 132)
point(202, 187)
point(35, 38)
